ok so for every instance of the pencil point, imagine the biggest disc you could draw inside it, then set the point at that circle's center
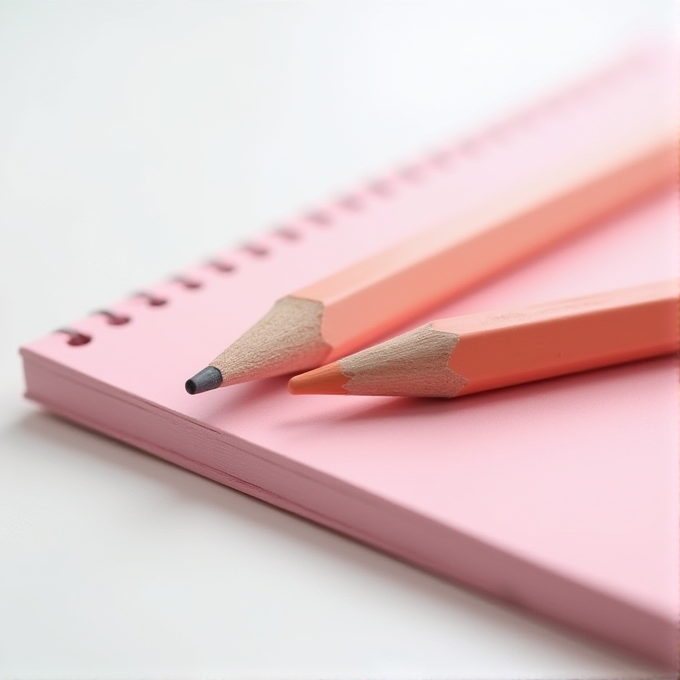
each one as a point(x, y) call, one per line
point(286, 340)
point(325, 380)
point(209, 378)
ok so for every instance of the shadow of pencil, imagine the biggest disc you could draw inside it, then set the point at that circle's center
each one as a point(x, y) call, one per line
point(226, 399)
point(407, 407)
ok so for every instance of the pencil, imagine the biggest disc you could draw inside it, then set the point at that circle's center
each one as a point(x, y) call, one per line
point(349, 309)
point(466, 354)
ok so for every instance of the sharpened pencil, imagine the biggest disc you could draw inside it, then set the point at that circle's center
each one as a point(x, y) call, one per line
point(466, 354)
point(348, 310)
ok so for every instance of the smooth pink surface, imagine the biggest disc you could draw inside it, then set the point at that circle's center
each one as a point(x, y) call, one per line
point(576, 475)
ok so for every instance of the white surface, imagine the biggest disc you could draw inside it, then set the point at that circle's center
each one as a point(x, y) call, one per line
point(134, 139)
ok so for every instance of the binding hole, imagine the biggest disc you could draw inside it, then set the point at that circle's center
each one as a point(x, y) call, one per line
point(380, 187)
point(223, 267)
point(76, 338)
point(442, 158)
point(256, 249)
point(350, 202)
point(114, 319)
point(320, 218)
point(190, 284)
point(153, 300)
point(411, 173)
point(470, 146)
point(288, 233)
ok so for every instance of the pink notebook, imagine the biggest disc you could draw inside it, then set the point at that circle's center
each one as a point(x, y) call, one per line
point(560, 496)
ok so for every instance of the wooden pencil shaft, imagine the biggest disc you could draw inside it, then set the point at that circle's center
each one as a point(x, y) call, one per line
point(377, 295)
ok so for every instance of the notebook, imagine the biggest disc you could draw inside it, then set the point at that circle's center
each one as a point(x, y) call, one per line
point(560, 497)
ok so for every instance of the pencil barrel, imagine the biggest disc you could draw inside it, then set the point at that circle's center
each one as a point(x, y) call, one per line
point(561, 341)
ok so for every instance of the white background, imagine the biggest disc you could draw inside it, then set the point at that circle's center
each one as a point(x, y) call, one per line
point(136, 138)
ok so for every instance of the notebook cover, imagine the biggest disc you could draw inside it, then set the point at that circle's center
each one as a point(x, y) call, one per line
point(560, 496)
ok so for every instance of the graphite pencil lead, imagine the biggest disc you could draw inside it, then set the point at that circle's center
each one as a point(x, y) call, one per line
point(206, 379)
point(286, 340)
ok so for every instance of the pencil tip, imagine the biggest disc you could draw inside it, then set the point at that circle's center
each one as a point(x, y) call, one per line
point(325, 380)
point(207, 379)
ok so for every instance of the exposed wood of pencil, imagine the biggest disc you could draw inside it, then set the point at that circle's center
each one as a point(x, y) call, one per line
point(349, 309)
point(466, 354)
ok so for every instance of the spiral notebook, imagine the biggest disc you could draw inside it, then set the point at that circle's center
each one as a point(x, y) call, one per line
point(559, 496)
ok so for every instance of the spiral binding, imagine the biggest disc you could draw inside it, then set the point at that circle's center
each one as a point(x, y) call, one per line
point(443, 159)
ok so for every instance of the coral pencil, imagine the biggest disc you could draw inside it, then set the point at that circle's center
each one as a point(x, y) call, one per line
point(349, 309)
point(466, 354)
